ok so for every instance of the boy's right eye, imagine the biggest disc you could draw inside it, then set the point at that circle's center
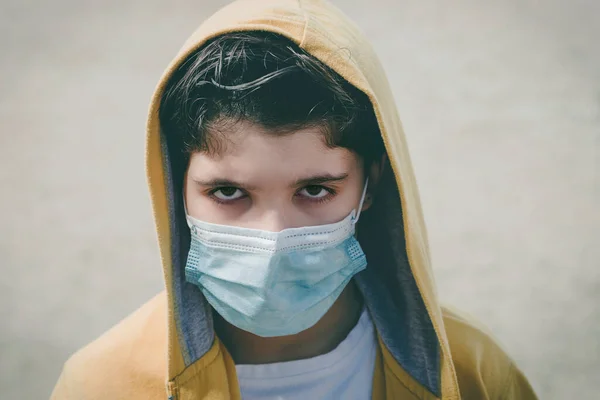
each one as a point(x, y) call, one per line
point(228, 193)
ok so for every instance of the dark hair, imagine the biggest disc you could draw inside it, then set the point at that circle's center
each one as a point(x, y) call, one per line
point(265, 79)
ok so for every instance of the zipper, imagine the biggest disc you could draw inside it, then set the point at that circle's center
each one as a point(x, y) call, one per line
point(171, 391)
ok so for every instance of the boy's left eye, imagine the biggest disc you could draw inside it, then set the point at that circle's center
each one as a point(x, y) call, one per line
point(315, 192)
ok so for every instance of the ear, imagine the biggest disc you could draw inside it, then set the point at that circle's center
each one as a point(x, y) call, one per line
point(375, 173)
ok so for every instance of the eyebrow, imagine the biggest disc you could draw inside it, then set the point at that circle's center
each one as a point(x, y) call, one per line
point(308, 181)
point(221, 182)
point(320, 179)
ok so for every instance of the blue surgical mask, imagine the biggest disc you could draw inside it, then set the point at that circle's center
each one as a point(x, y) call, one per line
point(274, 283)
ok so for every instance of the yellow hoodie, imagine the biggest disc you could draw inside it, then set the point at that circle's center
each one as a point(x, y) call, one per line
point(168, 349)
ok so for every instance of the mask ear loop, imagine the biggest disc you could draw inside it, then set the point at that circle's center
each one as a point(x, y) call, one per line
point(187, 216)
point(362, 200)
point(184, 204)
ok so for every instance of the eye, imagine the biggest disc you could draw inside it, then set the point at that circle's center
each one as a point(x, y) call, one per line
point(228, 193)
point(315, 192)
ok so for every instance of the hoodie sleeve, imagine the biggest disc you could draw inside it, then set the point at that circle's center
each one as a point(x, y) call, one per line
point(127, 362)
point(517, 386)
point(484, 369)
point(61, 390)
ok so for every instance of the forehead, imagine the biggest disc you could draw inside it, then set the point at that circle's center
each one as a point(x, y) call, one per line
point(250, 151)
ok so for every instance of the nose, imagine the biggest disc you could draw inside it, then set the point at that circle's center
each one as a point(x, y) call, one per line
point(273, 221)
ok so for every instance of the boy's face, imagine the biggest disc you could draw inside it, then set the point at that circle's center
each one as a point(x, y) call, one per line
point(273, 182)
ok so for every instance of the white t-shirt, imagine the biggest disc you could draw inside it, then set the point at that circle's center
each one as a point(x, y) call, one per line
point(344, 373)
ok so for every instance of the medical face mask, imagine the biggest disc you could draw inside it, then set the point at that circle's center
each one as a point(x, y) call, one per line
point(274, 283)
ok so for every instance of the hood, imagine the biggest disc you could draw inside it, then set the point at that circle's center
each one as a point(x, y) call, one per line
point(397, 285)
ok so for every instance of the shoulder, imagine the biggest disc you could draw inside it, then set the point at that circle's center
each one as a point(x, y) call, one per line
point(483, 368)
point(127, 362)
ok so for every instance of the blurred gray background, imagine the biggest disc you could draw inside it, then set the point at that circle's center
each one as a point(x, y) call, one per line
point(501, 104)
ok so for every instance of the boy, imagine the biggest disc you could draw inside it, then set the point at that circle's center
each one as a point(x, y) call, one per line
point(293, 244)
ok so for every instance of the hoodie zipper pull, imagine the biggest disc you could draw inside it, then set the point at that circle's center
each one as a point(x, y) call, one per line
point(171, 391)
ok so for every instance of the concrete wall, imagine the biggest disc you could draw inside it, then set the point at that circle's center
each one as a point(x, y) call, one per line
point(500, 101)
